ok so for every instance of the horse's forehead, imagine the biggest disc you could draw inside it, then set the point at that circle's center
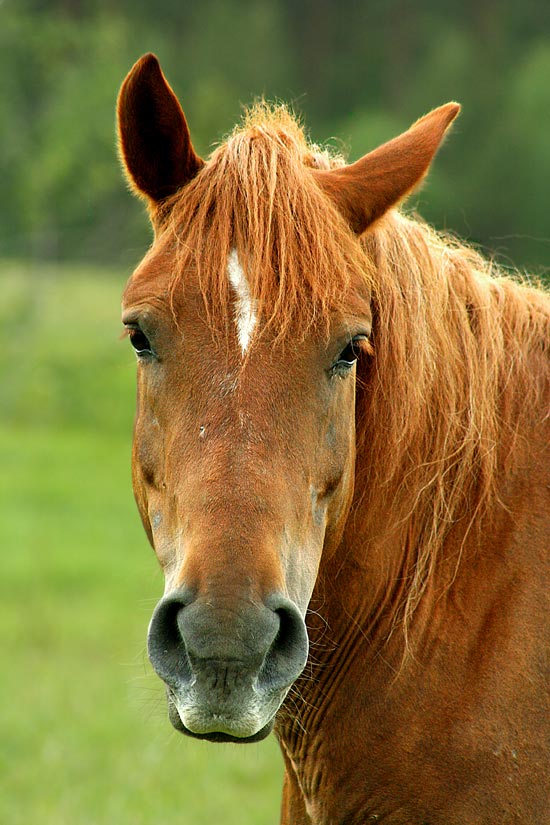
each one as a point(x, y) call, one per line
point(152, 287)
point(245, 309)
point(150, 281)
point(153, 281)
point(156, 283)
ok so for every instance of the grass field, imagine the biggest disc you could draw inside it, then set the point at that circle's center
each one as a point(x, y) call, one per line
point(84, 737)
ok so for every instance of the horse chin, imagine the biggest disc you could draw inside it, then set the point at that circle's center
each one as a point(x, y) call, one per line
point(227, 737)
point(214, 735)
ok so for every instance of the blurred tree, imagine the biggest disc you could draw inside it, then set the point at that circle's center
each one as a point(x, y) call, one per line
point(359, 71)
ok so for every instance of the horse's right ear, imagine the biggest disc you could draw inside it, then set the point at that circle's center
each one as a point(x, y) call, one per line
point(155, 144)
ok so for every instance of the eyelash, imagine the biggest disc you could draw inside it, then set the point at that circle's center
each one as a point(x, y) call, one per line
point(140, 342)
point(348, 357)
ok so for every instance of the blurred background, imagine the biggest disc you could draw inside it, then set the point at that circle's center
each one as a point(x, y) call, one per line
point(83, 733)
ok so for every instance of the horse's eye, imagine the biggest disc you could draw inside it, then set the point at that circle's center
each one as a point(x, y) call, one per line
point(140, 342)
point(348, 356)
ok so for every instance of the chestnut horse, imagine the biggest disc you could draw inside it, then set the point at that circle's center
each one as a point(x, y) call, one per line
point(341, 458)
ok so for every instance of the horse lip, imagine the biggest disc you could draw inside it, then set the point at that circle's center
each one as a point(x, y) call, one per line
point(215, 736)
point(216, 726)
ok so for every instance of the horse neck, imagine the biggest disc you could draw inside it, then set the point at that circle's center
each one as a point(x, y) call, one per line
point(444, 414)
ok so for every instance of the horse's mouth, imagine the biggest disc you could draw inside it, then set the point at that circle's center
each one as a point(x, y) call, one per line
point(226, 737)
point(214, 735)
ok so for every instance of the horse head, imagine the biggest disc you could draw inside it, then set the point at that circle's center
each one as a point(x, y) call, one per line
point(248, 317)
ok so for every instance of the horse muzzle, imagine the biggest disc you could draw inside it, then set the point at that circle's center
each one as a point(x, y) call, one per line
point(227, 665)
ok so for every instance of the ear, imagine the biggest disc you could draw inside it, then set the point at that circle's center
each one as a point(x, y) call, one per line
point(155, 144)
point(366, 189)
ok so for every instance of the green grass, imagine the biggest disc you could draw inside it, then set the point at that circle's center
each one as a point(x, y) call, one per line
point(84, 736)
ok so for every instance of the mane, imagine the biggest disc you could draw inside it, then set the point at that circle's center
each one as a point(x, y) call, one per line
point(460, 375)
point(453, 379)
point(257, 195)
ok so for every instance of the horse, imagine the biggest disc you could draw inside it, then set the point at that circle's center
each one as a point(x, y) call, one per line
point(341, 459)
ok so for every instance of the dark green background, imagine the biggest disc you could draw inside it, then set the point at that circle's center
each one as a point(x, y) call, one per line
point(358, 72)
point(84, 738)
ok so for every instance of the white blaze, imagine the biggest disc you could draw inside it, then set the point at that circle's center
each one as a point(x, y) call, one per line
point(245, 306)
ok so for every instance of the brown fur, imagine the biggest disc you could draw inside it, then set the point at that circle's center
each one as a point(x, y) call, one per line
point(416, 535)
point(465, 350)
point(453, 333)
point(300, 240)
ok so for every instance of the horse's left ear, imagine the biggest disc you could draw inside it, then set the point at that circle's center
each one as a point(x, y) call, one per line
point(366, 189)
point(155, 143)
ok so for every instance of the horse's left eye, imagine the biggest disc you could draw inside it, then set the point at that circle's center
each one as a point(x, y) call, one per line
point(140, 342)
point(348, 356)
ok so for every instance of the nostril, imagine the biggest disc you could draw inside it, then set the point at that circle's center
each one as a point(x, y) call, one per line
point(188, 639)
point(165, 643)
point(288, 653)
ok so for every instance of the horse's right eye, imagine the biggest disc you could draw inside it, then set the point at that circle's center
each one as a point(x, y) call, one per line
point(140, 342)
